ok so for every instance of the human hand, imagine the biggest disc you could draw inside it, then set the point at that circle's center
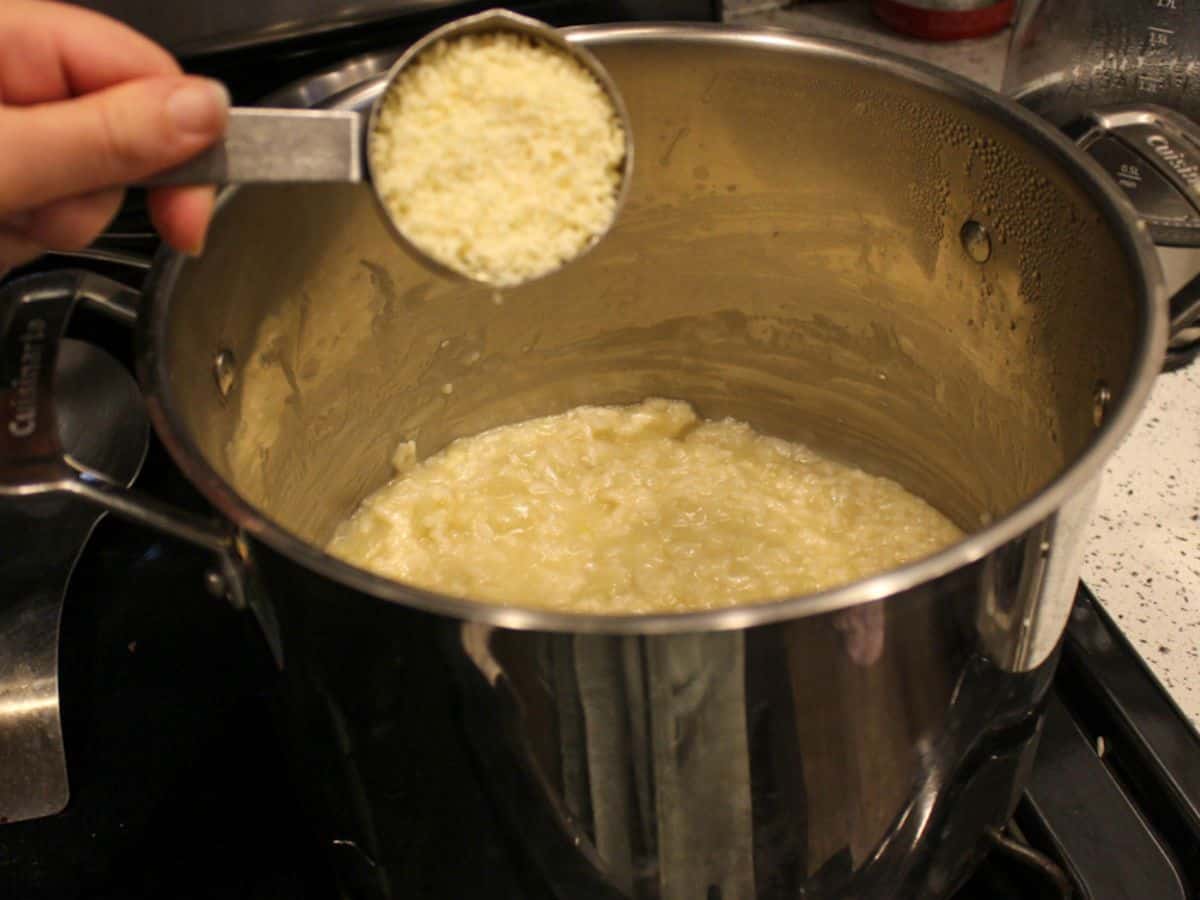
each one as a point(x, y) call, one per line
point(88, 105)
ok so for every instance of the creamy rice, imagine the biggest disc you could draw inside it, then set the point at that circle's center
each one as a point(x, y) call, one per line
point(636, 509)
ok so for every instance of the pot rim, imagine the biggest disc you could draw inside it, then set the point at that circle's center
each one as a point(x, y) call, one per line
point(1149, 350)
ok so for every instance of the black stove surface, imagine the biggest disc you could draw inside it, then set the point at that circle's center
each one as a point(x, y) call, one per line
point(176, 783)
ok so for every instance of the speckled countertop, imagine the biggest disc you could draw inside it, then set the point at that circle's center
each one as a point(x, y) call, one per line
point(1143, 554)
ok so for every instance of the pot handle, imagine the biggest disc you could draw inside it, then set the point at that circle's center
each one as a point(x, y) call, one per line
point(34, 312)
point(1153, 153)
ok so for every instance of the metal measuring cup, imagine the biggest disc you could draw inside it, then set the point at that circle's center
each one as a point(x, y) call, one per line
point(263, 145)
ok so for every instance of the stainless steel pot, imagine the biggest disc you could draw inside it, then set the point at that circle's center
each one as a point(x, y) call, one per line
point(872, 256)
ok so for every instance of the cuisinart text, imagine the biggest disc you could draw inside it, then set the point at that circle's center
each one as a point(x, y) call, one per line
point(24, 415)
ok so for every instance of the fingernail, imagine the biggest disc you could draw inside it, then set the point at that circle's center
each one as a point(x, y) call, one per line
point(199, 107)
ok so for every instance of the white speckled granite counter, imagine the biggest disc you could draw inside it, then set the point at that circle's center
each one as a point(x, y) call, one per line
point(1143, 554)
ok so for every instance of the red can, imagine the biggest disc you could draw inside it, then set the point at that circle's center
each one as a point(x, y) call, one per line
point(945, 20)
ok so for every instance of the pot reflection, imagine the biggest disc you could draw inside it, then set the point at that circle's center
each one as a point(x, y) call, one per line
point(862, 628)
point(808, 756)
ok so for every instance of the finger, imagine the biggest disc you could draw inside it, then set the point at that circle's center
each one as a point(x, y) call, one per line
point(181, 215)
point(73, 223)
point(53, 51)
point(16, 250)
point(105, 139)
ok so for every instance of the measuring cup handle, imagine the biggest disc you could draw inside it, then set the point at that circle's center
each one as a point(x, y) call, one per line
point(34, 312)
point(1153, 153)
point(279, 146)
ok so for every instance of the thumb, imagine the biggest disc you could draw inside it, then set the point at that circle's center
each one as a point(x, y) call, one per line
point(107, 138)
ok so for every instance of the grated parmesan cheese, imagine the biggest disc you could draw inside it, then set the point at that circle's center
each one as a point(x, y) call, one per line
point(498, 156)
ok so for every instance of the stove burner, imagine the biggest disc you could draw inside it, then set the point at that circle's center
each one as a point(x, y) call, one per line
point(1012, 843)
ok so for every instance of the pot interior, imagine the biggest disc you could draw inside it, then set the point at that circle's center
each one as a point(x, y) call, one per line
point(791, 254)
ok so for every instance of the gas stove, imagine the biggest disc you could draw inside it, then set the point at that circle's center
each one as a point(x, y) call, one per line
point(181, 786)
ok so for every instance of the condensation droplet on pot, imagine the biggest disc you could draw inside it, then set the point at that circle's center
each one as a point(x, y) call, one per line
point(976, 241)
point(225, 371)
point(447, 389)
point(1101, 398)
point(497, 298)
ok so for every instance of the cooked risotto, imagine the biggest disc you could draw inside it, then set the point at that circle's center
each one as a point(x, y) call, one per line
point(637, 509)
